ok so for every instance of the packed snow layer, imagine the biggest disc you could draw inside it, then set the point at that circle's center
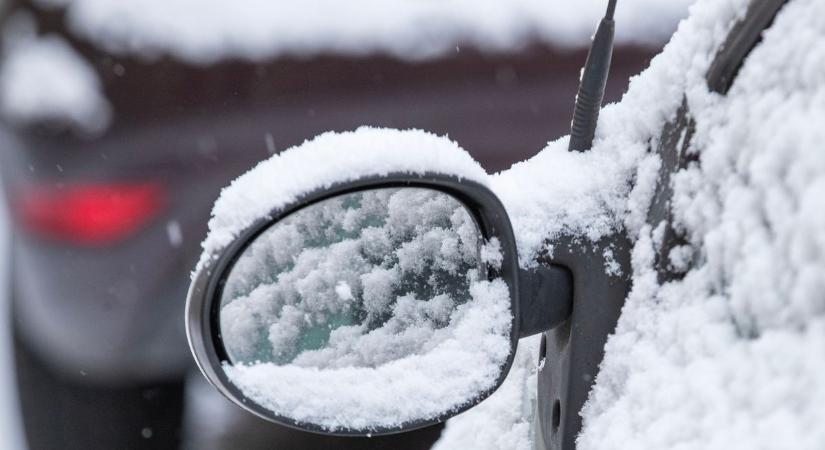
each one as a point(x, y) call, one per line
point(45, 79)
point(463, 363)
point(358, 279)
point(730, 356)
point(504, 420)
point(205, 31)
point(323, 161)
point(560, 192)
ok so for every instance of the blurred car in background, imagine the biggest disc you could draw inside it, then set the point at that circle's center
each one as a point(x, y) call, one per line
point(122, 126)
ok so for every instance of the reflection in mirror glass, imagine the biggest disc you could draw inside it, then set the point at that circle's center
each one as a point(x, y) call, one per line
point(367, 310)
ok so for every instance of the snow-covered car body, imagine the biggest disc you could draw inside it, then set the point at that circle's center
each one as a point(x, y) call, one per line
point(720, 201)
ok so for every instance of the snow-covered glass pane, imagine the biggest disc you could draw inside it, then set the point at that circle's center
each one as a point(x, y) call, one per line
point(328, 311)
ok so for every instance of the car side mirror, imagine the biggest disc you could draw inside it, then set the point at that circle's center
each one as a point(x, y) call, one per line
point(373, 305)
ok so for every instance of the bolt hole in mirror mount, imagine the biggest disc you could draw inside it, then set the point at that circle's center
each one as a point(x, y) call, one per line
point(315, 348)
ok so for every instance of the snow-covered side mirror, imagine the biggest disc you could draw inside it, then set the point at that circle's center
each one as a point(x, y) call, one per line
point(368, 303)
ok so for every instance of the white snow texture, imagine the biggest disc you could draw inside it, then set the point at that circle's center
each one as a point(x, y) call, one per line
point(327, 159)
point(10, 426)
point(341, 314)
point(204, 31)
point(730, 356)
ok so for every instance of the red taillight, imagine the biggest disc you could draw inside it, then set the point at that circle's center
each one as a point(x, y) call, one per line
point(90, 213)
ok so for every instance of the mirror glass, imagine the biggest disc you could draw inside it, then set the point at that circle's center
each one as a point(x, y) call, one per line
point(368, 310)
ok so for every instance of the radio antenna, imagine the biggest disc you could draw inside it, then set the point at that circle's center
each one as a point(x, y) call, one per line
point(592, 83)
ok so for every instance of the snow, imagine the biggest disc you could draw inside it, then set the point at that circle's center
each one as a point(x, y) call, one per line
point(466, 359)
point(45, 79)
point(589, 192)
point(203, 32)
point(353, 265)
point(174, 233)
point(726, 357)
point(735, 343)
point(339, 314)
point(327, 159)
point(593, 193)
point(503, 420)
point(729, 356)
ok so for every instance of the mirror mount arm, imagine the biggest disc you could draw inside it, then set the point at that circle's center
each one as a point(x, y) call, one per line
point(574, 350)
point(545, 298)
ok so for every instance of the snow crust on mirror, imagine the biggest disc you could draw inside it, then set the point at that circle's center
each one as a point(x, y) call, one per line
point(504, 420)
point(731, 355)
point(337, 314)
point(206, 31)
point(323, 161)
point(464, 362)
point(355, 280)
point(465, 357)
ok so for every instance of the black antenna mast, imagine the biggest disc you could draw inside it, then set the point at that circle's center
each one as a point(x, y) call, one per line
point(592, 83)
